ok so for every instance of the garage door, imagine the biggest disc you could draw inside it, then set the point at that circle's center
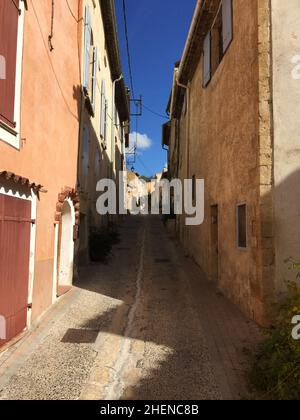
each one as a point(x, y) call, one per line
point(15, 226)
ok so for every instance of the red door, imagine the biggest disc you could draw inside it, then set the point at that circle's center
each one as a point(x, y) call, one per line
point(15, 225)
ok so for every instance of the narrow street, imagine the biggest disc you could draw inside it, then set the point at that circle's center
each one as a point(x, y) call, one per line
point(145, 326)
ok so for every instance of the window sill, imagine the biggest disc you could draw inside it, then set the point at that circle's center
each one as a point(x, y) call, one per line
point(88, 103)
point(7, 128)
point(103, 143)
point(9, 135)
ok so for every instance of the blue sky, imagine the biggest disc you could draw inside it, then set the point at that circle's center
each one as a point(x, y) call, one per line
point(157, 34)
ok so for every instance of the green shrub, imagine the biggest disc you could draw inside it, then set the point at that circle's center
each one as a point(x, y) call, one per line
point(101, 243)
point(276, 369)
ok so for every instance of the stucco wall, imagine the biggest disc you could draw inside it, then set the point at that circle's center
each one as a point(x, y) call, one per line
point(110, 156)
point(222, 150)
point(286, 91)
point(49, 126)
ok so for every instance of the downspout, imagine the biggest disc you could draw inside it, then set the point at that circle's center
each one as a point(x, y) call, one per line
point(187, 88)
point(186, 238)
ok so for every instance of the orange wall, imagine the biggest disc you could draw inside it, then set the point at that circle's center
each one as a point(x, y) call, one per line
point(49, 124)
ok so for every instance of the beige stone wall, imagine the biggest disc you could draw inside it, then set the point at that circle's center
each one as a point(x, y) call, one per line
point(109, 163)
point(222, 130)
point(286, 91)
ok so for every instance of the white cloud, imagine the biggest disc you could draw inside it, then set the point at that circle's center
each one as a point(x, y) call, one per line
point(143, 141)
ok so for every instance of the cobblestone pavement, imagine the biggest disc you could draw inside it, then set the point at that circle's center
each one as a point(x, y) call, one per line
point(145, 326)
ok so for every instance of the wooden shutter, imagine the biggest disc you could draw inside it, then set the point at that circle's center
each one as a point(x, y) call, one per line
point(87, 48)
point(105, 121)
point(94, 75)
point(9, 20)
point(15, 228)
point(207, 60)
point(103, 111)
point(227, 23)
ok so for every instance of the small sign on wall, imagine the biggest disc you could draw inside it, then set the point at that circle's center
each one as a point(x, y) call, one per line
point(2, 328)
point(2, 68)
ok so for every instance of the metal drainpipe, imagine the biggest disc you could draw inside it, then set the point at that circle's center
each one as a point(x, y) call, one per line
point(113, 124)
point(187, 88)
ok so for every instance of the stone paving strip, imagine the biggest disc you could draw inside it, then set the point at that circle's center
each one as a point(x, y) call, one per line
point(145, 326)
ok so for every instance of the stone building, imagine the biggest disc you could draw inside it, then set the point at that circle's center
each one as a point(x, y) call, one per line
point(104, 130)
point(234, 122)
point(39, 126)
point(63, 123)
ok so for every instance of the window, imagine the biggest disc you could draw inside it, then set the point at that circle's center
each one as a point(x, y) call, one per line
point(207, 60)
point(87, 49)
point(90, 62)
point(242, 226)
point(11, 47)
point(194, 189)
point(94, 77)
point(104, 108)
point(217, 41)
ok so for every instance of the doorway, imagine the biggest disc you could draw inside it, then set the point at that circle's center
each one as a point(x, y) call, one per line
point(15, 232)
point(215, 243)
point(66, 249)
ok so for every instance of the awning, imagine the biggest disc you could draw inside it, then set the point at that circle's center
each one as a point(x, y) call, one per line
point(21, 180)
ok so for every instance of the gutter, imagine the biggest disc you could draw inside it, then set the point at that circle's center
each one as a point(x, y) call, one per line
point(113, 52)
point(200, 5)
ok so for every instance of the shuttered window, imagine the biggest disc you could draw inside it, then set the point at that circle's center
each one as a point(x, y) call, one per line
point(242, 226)
point(87, 48)
point(227, 23)
point(9, 20)
point(207, 60)
point(94, 76)
point(103, 122)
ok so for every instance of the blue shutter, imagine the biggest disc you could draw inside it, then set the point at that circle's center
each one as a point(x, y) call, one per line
point(207, 60)
point(227, 23)
point(87, 48)
point(94, 76)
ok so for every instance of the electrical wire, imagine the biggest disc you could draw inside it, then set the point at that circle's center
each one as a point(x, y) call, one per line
point(72, 13)
point(16, 6)
point(144, 165)
point(128, 49)
point(155, 113)
point(51, 64)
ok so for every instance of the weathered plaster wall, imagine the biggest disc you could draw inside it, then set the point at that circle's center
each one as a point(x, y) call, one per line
point(222, 150)
point(286, 91)
point(108, 163)
point(49, 126)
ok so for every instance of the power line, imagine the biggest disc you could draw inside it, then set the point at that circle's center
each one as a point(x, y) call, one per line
point(155, 113)
point(128, 49)
point(144, 165)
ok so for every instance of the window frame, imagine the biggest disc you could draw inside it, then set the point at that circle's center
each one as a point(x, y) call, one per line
point(238, 206)
point(205, 83)
point(9, 135)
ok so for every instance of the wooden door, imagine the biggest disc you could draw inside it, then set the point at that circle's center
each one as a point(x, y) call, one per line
point(15, 227)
